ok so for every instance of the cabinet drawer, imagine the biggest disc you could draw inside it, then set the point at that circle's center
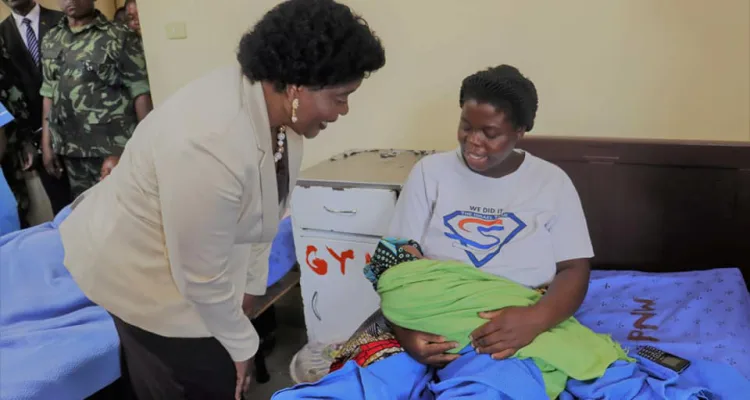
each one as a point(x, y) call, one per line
point(363, 211)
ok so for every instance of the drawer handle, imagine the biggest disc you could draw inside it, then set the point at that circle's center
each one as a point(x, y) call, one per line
point(343, 212)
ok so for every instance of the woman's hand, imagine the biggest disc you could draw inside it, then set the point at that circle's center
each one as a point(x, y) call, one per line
point(424, 347)
point(242, 378)
point(107, 165)
point(508, 330)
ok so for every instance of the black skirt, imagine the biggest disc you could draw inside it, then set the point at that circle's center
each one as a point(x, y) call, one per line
point(155, 367)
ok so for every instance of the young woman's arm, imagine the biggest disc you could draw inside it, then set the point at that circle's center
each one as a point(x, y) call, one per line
point(565, 293)
point(410, 220)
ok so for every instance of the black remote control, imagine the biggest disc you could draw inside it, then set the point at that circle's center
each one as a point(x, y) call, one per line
point(667, 360)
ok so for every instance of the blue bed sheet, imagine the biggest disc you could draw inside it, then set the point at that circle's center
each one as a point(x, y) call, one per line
point(477, 376)
point(699, 315)
point(54, 342)
point(702, 316)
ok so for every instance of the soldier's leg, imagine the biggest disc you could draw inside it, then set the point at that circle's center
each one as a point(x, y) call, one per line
point(83, 173)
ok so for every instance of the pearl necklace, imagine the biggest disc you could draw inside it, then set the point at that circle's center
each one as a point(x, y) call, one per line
point(280, 137)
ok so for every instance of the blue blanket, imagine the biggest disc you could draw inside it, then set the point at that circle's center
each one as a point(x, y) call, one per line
point(477, 376)
point(400, 377)
point(670, 311)
point(55, 343)
point(9, 221)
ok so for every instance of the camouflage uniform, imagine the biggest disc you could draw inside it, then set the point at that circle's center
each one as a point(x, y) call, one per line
point(16, 132)
point(92, 74)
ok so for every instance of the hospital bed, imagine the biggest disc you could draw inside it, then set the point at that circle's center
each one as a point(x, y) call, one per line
point(668, 221)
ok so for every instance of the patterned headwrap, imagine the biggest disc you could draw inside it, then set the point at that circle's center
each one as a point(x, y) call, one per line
point(390, 252)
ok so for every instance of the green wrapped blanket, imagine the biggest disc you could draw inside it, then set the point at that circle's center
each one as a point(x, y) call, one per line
point(445, 297)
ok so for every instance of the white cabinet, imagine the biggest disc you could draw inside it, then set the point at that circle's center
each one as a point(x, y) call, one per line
point(340, 209)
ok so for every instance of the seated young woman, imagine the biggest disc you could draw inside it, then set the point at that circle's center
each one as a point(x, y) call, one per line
point(502, 211)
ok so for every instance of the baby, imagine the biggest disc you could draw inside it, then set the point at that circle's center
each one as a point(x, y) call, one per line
point(446, 297)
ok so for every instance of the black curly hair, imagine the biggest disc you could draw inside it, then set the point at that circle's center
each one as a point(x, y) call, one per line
point(314, 43)
point(505, 88)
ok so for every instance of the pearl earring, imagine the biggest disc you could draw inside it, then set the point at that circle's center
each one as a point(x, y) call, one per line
point(295, 105)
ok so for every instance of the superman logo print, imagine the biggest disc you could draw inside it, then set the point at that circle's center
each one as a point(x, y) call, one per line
point(481, 235)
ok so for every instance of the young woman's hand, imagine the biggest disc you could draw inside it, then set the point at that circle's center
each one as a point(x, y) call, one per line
point(424, 347)
point(508, 330)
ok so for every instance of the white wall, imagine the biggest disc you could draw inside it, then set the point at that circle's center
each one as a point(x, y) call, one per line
point(616, 68)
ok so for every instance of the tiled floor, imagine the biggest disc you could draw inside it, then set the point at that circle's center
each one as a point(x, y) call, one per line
point(290, 337)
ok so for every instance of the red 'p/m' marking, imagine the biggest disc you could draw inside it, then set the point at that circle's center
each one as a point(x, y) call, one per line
point(643, 331)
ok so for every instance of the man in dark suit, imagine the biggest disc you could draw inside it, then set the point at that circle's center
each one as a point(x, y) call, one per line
point(23, 32)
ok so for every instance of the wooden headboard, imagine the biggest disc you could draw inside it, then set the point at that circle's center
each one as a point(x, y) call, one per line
point(659, 206)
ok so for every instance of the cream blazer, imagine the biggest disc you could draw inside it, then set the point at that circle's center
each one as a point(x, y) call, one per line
point(168, 242)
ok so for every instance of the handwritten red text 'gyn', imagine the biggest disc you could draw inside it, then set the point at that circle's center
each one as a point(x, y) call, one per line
point(320, 266)
point(641, 331)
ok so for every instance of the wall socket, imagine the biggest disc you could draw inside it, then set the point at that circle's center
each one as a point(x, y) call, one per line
point(176, 30)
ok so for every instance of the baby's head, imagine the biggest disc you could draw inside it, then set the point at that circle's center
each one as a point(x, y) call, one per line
point(389, 253)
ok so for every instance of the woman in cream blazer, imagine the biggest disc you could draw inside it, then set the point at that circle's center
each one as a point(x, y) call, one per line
point(164, 242)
